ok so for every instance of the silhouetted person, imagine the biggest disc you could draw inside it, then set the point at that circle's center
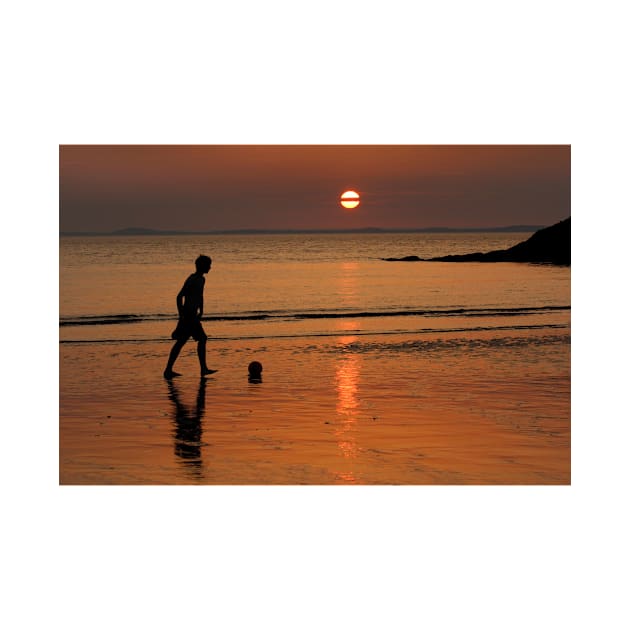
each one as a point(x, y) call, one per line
point(187, 433)
point(190, 309)
point(255, 369)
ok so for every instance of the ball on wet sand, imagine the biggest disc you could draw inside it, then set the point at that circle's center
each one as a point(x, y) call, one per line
point(255, 369)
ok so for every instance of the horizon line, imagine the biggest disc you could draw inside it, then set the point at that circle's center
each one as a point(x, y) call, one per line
point(141, 231)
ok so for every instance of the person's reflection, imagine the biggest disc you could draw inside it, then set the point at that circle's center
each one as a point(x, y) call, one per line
point(187, 427)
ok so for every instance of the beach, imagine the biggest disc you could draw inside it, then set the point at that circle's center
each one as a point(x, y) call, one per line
point(370, 409)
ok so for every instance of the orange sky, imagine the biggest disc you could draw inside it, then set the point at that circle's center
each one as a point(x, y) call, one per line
point(104, 188)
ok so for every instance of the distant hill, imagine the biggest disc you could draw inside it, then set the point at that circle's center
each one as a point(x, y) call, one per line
point(550, 245)
point(135, 231)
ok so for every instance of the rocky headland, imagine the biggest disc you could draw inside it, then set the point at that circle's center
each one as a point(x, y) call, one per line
point(551, 245)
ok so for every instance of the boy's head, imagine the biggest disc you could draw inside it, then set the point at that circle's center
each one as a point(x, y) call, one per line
point(203, 264)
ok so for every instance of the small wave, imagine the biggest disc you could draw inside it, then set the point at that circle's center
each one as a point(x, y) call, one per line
point(455, 343)
point(101, 320)
point(455, 312)
point(108, 320)
point(358, 333)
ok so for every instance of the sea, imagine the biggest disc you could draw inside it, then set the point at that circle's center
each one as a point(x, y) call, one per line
point(122, 289)
point(375, 371)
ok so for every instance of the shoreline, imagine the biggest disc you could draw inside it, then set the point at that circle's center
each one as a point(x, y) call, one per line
point(353, 410)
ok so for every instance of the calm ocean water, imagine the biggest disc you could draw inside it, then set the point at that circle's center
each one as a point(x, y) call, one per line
point(123, 288)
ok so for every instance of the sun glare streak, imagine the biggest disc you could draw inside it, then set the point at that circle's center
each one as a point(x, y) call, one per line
point(347, 383)
point(347, 375)
point(347, 386)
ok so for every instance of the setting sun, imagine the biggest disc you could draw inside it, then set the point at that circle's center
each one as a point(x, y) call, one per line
point(350, 199)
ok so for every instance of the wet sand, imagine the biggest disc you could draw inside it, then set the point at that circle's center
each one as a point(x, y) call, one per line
point(368, 409)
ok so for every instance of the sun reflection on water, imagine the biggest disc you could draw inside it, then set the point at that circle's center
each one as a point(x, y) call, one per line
point(347, 375)
point(347, 287)
point(347, 385)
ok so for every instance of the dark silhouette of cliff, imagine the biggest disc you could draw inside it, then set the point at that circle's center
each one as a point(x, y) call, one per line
point(551, 245)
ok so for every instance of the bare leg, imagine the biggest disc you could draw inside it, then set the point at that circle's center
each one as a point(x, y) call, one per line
point(172, 357)
point(201, 353)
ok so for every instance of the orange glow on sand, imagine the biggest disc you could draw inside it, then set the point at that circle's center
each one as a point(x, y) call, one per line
point(350, 199)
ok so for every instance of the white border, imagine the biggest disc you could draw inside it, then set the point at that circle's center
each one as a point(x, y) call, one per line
point(342, 72)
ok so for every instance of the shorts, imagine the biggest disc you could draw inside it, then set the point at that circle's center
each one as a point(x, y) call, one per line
point(187, 328)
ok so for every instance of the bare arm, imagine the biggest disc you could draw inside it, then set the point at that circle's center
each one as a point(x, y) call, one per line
point(202, 283)
point(180, 301)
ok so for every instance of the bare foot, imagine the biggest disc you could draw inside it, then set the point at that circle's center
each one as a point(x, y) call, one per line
point(170, 374)
point(207, 372)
